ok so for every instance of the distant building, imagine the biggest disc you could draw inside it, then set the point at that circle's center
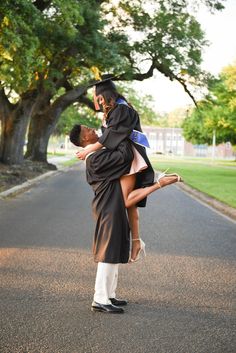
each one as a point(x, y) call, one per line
point(171, 141)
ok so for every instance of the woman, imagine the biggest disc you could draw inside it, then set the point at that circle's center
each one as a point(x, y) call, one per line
point(120, 119)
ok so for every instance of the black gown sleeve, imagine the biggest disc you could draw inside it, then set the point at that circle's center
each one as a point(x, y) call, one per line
point(107, 162)
point(121, 122)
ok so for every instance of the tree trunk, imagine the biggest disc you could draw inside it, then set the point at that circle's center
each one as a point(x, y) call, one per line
point(40, 130)
point(13, 131)
point(44, 120)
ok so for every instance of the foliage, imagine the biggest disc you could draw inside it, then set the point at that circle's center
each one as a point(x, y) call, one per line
point(76, 114)
point(43, 42)
point(216, 112)
point(50, 45)
point(174, 118)
point(41, 45)
point(143, 104)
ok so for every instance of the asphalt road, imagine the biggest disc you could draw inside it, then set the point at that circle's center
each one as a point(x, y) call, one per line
point(181, 296)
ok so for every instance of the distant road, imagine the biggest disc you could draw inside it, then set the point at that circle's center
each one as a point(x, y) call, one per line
point(181, 297)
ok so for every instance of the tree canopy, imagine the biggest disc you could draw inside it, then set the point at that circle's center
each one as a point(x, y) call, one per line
point(51, 49)
point(216, 112)
point(79, 114)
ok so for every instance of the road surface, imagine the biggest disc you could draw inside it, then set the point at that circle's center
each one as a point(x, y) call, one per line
point(181, 296)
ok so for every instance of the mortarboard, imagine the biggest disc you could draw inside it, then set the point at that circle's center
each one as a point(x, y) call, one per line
point(104, 84)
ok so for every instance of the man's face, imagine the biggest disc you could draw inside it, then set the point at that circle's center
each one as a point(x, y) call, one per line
point(88, 135)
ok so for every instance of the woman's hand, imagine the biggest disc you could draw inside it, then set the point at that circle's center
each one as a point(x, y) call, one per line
point(82, 154)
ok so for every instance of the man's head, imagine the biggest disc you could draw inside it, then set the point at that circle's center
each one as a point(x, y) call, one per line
point(82, 135)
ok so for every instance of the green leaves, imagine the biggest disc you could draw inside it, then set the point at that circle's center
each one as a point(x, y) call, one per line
point(76, 114)
point(216, 112)
point(46, 43)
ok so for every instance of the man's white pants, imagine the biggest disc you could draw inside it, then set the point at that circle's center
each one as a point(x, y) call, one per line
point(106, 282)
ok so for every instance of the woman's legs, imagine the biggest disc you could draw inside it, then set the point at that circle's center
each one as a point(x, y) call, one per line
point(127, 186)
point(131, 198)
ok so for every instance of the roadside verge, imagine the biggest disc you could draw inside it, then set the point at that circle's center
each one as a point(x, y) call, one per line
point(208, 200)
point(15, 190)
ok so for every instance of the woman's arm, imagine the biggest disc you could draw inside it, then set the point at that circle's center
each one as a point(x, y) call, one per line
point(91, 148)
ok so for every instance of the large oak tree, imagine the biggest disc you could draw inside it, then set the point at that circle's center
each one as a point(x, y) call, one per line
point(49, 50)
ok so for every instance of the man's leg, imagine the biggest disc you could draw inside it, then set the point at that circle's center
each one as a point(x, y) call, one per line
point(112, 289)
point(112, 292)
point(105, 286)
point(106, 282)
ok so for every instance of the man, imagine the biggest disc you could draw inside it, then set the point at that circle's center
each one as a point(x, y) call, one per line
point(104, 168)
point(112, 234)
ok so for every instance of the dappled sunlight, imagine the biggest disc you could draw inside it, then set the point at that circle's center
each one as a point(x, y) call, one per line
point(206, 284)
point(47, 271)
point(185, 282)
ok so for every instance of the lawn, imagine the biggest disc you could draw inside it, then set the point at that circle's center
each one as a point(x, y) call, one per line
point(216, 179)
point(71, 162)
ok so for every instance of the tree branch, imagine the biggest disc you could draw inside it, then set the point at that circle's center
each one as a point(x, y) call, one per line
point(183, 83)
point(86, 101)
point(168, 73)
point(5, 105)
point(62, 102)
point(42, 4)
point(165, 71)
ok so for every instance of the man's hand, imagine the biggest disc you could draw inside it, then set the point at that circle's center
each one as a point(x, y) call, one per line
point(82, 154)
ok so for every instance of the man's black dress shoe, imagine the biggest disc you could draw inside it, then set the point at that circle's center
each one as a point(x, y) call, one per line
point(109, 308)
point(118, 302)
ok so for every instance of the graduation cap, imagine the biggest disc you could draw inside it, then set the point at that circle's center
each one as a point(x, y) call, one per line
point(105, 84)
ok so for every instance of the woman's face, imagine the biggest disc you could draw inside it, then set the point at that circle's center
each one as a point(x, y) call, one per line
point(98, 101)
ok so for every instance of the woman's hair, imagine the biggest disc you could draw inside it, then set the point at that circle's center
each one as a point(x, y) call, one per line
point(75, 135)
point(110, 96)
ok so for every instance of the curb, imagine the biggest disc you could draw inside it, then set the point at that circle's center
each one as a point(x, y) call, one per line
point(219, 206)
point(207, 200)
point(15, 190)
point(26, 185)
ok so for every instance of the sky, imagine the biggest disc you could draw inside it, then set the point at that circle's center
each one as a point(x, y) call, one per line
point(220, 31)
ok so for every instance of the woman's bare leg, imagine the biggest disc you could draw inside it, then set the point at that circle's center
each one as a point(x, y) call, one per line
point(127, 186)
point(133, 215)
point(131, 198)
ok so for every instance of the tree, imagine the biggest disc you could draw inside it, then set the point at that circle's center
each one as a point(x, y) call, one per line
point(56, 44)
point(216, 112)
point(142, 103)
point(176, 117)
point(44, 45)
point(81, 114)
point(76, 114)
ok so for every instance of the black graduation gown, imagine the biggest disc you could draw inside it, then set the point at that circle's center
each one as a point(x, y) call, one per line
point(112, 233)
point(121, 121)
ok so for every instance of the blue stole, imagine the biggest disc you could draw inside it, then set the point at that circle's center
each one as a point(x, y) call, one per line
point(136, 136)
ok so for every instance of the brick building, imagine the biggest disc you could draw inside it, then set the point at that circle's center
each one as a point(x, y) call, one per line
point(171, 141)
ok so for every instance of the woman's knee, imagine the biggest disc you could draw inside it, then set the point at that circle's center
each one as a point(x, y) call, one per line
point(127, 185)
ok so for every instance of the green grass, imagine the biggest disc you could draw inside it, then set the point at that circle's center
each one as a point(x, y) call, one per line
point(213, 179)
point(56, 154)
point(70, 162)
